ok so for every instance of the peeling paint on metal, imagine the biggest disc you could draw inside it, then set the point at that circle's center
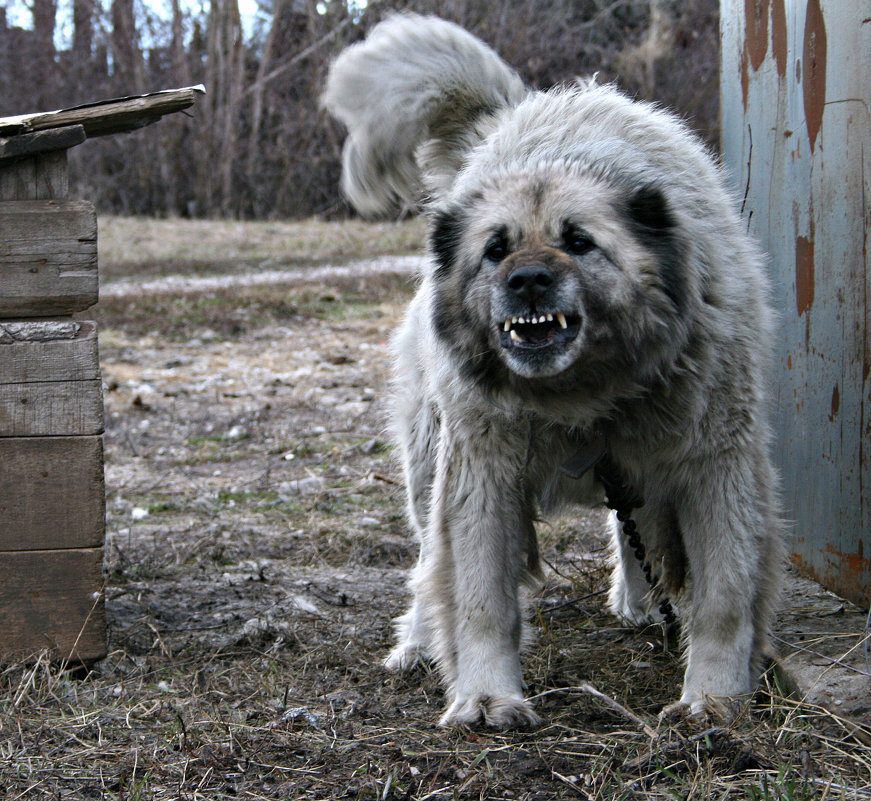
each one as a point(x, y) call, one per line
point(797, 79)
point(778, 36)
point(756, 37)
point(814, 79)
point(804, 273)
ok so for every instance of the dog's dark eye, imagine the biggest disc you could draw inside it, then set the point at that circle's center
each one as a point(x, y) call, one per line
point(576, 243)
point(497, 248)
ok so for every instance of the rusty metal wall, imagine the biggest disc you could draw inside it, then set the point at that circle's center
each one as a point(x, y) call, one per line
point(796, 114)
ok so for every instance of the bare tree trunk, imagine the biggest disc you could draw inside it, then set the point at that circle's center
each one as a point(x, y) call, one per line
point(43, 59)
point(126, 55)
point(80, 73)
point(259, 89)
point(83, 30)
point(225, 74)
point(180, 65)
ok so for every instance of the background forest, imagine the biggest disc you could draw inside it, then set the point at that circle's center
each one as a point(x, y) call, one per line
point(258, 146)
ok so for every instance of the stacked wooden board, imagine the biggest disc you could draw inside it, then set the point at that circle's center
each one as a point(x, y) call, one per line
point(52, 494)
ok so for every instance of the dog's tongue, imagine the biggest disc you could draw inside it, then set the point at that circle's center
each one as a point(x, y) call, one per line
point(535, 334)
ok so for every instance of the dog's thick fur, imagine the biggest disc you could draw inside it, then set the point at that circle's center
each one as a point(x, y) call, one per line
point(591, 279)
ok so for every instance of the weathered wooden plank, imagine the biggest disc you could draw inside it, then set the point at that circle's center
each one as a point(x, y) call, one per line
point(53, 599)
point(42, 177)
point(48, 257)
point(18, 181)
point(51, 408)
point(48, 350)
point(38, 221)
point(107, 116)
point(52, 493)
point(54, 139)
point(49, 378)
point(52, 176)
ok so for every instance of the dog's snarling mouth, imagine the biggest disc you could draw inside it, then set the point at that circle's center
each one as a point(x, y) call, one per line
point(539, 331)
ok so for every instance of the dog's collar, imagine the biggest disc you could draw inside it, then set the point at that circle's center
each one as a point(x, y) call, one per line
point(586, 457)
point(595, 455)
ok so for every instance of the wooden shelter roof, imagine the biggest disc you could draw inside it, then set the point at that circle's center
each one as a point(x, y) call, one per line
point(43, 131)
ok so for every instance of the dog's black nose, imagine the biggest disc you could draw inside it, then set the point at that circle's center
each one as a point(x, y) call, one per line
point(530, 282)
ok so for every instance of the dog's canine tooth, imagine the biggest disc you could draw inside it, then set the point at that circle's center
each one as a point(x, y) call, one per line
point(507, 325)
point(561, 319)
point(515, 337)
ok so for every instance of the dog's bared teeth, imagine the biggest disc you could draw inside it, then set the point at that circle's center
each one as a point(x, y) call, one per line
point(534, 319)
point(515, 337)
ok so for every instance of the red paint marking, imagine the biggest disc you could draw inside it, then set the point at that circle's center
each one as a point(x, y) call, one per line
point(778, 36)
point(756, 31)
point(804, 273)
point(836, 404)
point(814, 79)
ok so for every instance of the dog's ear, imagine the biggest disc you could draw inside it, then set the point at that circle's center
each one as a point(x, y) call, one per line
point(655, 224)
point(648, 209)
point(415, 96)
point(445, 234)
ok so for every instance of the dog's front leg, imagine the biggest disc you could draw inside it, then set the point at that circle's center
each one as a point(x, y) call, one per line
point(732, 539)
point(481, 519)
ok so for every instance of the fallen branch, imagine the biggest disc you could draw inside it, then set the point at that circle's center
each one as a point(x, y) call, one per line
point(611, 703)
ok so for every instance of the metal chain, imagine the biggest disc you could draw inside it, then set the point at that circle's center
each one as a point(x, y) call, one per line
point(622, 499)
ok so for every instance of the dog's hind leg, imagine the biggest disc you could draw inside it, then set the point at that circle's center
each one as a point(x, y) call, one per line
point(631, 597)
point(628, 595)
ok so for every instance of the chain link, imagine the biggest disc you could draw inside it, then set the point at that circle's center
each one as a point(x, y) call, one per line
point(622, 499)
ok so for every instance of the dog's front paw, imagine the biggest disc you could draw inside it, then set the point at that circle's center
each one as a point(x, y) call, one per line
point(721, 708)
point(495, 712)
point(678, 711)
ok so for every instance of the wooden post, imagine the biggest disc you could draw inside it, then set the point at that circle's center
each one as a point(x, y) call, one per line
point(52, 497)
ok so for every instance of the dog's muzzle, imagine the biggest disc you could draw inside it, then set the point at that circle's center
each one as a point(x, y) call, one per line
point(531, 287)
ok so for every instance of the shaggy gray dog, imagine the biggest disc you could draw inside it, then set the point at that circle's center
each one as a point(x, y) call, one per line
point(592, 289)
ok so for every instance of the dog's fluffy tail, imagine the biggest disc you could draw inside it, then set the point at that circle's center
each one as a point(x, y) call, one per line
point(415, 96)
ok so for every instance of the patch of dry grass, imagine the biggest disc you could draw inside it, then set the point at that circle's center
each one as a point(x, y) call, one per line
point(137, 246)
point(304, 712)
point(234, 311)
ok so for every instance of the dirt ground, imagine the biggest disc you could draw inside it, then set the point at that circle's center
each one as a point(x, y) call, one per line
point(256, 551)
